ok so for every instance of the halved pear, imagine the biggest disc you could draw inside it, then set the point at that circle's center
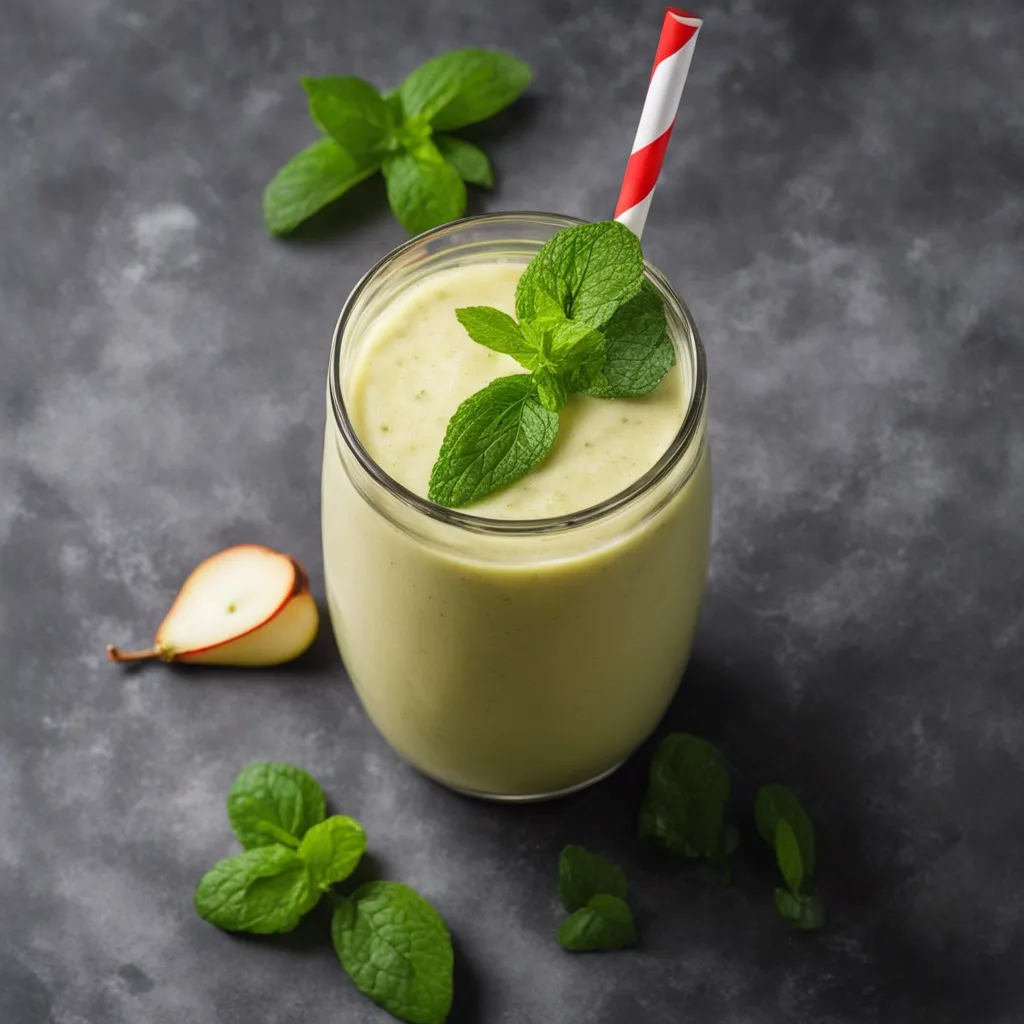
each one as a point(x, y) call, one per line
point(246, 605)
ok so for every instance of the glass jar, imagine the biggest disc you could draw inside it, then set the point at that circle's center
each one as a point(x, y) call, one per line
point(511, 659)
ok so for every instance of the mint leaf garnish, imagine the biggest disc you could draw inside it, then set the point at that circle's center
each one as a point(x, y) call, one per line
point(586, 271)
point(351, 111)
point(397, 950)
point(687, 790)
point(638, 349)
point(470, 161)
point(332, 849)
point(776, 803)
point(273, 802)
point(582, 875)
point(309, 181)
point(495, 437)
point(423, 189)
point(463, 87)
point(262, 891)
point(605, 923)
point(368, 131)
point(786, 828)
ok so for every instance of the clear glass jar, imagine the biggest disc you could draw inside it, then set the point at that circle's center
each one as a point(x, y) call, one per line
point(513, 660)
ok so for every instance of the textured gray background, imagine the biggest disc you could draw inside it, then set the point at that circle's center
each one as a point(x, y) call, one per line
point(842, 207)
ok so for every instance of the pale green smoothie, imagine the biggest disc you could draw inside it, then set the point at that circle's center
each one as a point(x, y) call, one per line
point(511, 666)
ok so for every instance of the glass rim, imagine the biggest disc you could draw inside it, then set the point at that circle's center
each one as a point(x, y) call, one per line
point(678, 447)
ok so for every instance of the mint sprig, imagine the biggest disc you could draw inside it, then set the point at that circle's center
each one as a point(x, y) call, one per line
point(587, 320)
point(403, 133)
point(785, 827)
point(391, 941)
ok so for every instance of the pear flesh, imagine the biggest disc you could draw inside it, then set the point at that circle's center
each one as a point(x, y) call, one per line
point(247, 605)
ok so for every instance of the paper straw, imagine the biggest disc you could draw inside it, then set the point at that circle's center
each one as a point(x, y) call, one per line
point(671, 63)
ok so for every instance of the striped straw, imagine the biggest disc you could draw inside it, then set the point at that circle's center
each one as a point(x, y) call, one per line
point(671, 63)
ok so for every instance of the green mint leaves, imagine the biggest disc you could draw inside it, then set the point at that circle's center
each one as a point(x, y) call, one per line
point(784, 826)
point(390, 941)
point(404, 134)
point(687, 790)
point(587, 320)
point(395, 947)
point(593, 890)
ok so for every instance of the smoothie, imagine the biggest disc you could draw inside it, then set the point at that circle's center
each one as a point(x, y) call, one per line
point(501, 660)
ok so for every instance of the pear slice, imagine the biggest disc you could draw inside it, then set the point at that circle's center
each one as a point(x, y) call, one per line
point(246, 605)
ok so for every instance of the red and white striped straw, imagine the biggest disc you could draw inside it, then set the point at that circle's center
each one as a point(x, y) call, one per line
point(671, 63)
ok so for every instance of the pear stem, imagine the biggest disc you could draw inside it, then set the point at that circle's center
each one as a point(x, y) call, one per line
point(116, 654)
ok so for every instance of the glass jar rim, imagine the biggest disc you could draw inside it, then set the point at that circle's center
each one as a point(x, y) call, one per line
point(530, 527)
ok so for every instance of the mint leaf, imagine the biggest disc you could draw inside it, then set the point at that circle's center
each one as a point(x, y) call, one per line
point(351, 111)
point(804, 913)
point(470, 161)
point(423, 189)
point(273, 802)
point(638, 349)
point(582, 874)
point(495, 330)
point(262, 891)
point(463, 87)
point(787, 853)
point(332, 849)
point(495, 437)
point(308, 182)
point(552, 390)
point(775, 803)
point(560, 350)
point(605, 923)
point(586, 271)
point(397, 950)
point(688, 787)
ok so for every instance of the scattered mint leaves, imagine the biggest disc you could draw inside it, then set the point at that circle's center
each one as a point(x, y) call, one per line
point(785, 826)
point(495, 437)
point(582, 875)
point(470, 161)
point(367, 132)
point(272, 802)
point(262, 891)
point(392, 942)
point(586, 320)
point(688, 786)
point(309, 181)
point(332, 850)
point(395, 947)
point(605, 923)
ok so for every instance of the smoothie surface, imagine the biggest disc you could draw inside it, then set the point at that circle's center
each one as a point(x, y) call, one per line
point(416, 364)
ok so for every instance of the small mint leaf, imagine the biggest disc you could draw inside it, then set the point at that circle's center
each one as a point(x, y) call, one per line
point(470, 161)
point(775, 802)
point(582, 875)
point(333, 849)
point(586, 271)
point(351, 111)
point(423, 190)
point(803, 913)
point(309, 181)
point(396, 949)
point(605, 923)
point(495, 437)
point(787, 853)
point(552, 390)
point(497, 331)
point(463, 87)
point(273, 802)
point(263, 891)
